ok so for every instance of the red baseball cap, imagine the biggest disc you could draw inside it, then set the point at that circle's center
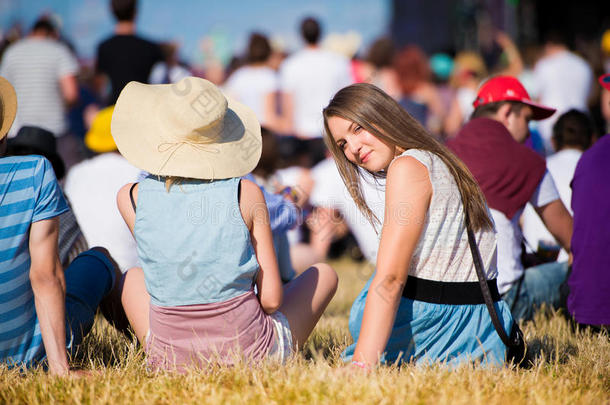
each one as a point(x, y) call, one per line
point(507, 88)
point(604, 80)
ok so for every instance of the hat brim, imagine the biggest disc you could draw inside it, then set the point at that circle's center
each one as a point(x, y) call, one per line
point(539, 111)
point(604, 80)
point(144, 134)
point(8, 98)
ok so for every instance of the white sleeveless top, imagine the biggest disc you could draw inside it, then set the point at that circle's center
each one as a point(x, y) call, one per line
point(443, 253)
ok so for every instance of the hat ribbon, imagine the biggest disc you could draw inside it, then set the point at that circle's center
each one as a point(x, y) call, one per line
point(174, 146)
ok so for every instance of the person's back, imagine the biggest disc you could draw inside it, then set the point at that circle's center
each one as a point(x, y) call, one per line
point(91, 186)
point(124, 58)
point(312, 76)
point(572, 135)
point(571, 70)
point(250, 85)
point(203, 234)
point(186, 267)
point(28, 193)
point(563, 80)
point(35, 66)
point(589, 282)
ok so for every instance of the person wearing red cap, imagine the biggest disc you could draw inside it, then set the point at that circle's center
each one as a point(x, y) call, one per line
point(511, 175)
point(589, 282)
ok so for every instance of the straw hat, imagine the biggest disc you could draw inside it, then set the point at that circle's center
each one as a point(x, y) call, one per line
point(8, 106)
point(186, 129)
point(98, 138)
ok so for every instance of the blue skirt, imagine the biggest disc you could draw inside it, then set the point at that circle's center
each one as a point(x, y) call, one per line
point(428, 333)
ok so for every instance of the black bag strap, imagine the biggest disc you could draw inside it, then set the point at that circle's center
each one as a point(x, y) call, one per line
point(478, 265)
point(133, 203)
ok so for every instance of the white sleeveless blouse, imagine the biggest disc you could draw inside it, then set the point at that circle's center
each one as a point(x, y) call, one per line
point(443, 253)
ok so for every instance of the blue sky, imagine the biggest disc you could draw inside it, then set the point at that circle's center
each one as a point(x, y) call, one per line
point(86, 22)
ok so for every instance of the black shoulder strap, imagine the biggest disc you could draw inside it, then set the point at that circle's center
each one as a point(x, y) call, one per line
point(133, 203)
point(478, 265)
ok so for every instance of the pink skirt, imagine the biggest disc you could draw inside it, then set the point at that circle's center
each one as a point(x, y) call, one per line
point(224, 333)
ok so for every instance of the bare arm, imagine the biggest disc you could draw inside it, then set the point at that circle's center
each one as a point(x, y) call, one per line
point(513, 56)
point(273, 119)
point(69, 89)
point(124, 205)
point(287, 121)
point(256, 216)
point(453, 122)
point(408, 193)
point(49, 286)
point(558, 221)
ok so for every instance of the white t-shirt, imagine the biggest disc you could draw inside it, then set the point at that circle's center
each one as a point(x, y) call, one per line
point(158, 73)
point(250, 85)
point(510, 236)
point(330, 191)
point(561, 165)
point(34, 67)
point(465, 97)
point(92, 187)
point(563, 81)
point(312, 76)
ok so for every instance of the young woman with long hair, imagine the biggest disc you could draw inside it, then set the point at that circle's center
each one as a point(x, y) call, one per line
point(423, 303)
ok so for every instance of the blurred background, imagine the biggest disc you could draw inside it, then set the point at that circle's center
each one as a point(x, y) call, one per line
point(431, 56)
point(69, 60)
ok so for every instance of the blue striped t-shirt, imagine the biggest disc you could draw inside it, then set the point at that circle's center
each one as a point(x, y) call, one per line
point(29, 192)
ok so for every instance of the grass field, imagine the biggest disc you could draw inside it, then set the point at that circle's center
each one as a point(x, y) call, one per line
point(570, 368)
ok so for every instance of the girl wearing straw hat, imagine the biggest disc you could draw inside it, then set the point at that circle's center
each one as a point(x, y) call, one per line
point(209, 289)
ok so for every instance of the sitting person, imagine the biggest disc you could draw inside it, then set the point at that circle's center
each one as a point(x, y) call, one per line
point(203, 234)
point(572, 135)
point(91, 187)
point(511, 175)
point(424, 302)
point(589, 282)
point(45, 309)
point(38, 141)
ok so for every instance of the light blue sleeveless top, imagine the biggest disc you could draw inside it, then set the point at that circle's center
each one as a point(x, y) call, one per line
point(193, 244)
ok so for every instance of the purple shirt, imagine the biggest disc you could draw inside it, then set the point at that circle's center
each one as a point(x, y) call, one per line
point(589, 299)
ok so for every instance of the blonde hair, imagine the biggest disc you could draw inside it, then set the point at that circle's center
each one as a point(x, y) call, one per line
point(379, 114)
point(170, 181)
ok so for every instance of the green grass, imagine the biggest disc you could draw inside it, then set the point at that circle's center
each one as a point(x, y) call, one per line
point(570, 368)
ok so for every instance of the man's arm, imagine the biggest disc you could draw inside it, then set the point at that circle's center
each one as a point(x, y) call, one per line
point(558, 221)
point(48, 284)
point(69, 89)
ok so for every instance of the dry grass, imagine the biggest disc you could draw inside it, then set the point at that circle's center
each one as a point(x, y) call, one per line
point(571, 368)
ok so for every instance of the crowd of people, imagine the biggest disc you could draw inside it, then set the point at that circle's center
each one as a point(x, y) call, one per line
point(478, 189)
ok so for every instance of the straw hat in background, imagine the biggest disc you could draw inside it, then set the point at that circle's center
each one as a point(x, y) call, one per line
point(8, 106)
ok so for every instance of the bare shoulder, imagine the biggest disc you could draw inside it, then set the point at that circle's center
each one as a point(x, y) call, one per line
point(124, 191)
point(123, 199)
point(251, 192)
point(407, 169)
point(251, 198)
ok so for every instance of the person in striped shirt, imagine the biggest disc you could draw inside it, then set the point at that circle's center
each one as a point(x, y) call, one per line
point(44, 310)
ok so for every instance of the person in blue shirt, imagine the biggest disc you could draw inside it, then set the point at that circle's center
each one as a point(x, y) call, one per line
point(45, 309)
